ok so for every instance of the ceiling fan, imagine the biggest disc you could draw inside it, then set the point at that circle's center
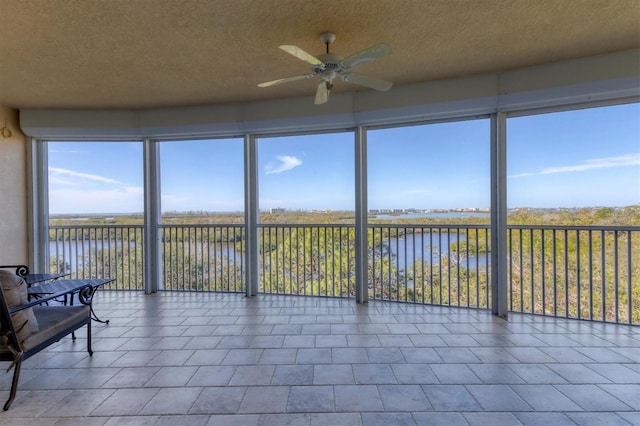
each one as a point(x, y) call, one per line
point(329, 65)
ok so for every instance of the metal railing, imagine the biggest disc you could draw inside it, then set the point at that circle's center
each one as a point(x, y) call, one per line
point(109, 251)
point(311, 260)
point(203, 258)
point(436, 264)
point(584, 272)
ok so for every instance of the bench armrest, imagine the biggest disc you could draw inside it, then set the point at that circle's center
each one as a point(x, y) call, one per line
point(85, 295)
point(21, 270)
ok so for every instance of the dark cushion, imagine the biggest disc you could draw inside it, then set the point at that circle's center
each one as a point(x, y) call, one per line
point(56, 319)
point(15, 294)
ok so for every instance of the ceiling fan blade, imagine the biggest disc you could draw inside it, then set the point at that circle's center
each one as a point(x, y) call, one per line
point(285, 80)
point(370, 82)
point(375, 52)
point(322, 94)
point(301, 54)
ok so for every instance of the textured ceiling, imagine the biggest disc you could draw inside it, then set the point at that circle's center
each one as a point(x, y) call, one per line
point(155, 53)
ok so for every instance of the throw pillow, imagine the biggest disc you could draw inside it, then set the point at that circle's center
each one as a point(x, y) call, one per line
point(15, 294)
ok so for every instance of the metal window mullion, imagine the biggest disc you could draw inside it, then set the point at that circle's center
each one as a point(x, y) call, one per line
point(38, 204)
point(251, 215)
point(360, 142)
point(152, 254)
point(499, 213)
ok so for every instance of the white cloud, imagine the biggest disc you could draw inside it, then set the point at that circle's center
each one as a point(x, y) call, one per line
point(593, 164)
point(60, 176)
point(287, 162)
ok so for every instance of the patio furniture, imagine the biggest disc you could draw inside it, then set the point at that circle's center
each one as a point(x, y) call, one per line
point(68, 288)
point(26, 327)
point(29, 278)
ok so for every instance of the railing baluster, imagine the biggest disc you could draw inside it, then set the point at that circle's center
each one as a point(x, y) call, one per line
point(629, 279)
point(590, 275)
point(457, 260)
point(542, 260)
point(615, 275)
point(531, 262)
point(431, 269)
point(511, 260)
point(478, 305)
point(520, 295)
point(603, 283)
point(555, 275)
point(566, 273)
point(578, 283)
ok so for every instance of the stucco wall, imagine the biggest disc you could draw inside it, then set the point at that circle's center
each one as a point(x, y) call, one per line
point(13, 190)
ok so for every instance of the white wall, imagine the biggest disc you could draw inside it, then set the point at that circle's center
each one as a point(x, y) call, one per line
point(13, 191)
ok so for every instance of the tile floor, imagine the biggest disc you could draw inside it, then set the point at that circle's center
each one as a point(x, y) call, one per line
point(223, 359)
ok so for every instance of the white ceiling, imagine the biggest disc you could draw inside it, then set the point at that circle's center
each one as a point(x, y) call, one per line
point(166, 53)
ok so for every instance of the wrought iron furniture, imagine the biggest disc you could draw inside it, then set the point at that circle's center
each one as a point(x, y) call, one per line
point(68, 288)
point(26, 327)
point(29, 278)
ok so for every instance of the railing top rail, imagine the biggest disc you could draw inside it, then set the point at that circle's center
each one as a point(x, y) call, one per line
point(371, 225)
point(202, 225)
point(578, 227)
point(137, 226)
point(430, 226)
point(306, 225)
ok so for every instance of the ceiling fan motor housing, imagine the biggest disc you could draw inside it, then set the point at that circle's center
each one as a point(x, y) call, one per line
point(330, 62)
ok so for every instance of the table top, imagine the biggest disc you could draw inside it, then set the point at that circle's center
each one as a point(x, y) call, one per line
point(31, 279)
point(69, 286)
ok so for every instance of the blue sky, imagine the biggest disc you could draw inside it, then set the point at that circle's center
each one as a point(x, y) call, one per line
point(579, 158)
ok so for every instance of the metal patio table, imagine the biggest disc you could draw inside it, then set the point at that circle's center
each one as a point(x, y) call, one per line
point(72, 287)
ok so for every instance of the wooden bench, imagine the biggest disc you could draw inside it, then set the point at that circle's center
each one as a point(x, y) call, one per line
point(26, 327)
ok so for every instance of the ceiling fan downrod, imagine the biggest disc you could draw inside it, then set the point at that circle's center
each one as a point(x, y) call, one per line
point(327, 39)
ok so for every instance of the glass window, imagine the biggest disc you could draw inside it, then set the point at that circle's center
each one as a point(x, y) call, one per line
point(573, 192)
point(202, 231)
point(96, 204)
point(307, 202)
point(307, 175)
point(96, 178)
point(575, 159)
point(203, 180)
point(429, 198)
point(436, 171)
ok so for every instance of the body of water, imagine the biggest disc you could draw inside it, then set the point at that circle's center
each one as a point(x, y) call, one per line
point(406, 249)
point(434, 215)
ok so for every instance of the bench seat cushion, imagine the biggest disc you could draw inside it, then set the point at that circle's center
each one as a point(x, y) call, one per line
point(15, 293)
point(55, 319)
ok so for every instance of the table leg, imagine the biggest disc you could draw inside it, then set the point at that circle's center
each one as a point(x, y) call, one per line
point(93, 313)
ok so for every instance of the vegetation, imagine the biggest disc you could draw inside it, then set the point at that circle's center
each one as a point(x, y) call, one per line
point(574, 263)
